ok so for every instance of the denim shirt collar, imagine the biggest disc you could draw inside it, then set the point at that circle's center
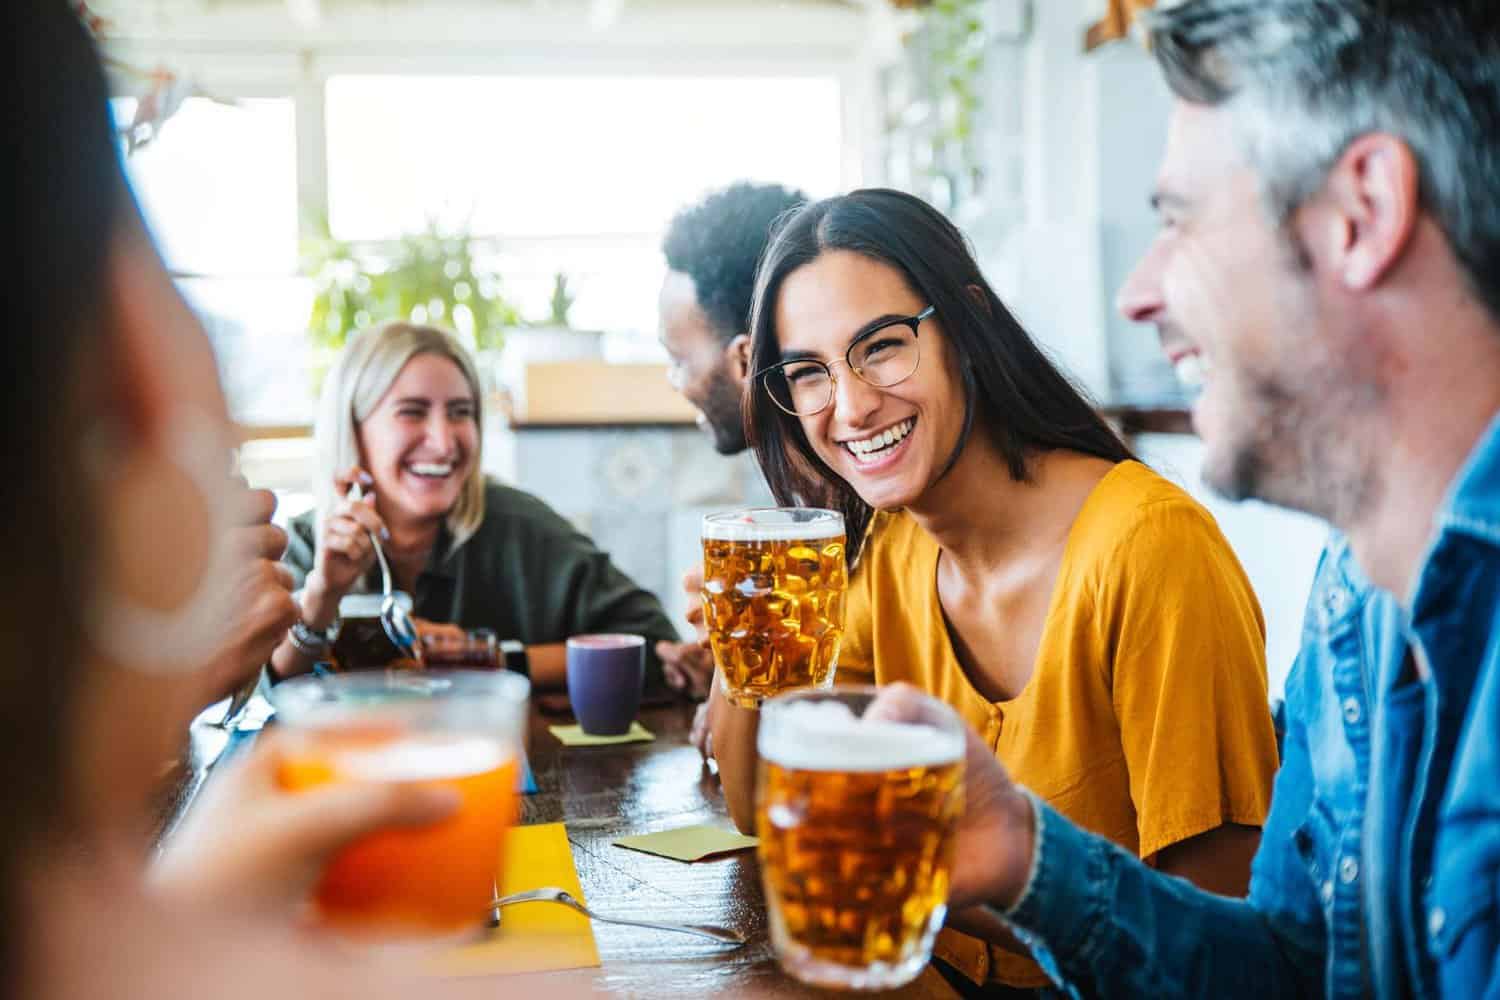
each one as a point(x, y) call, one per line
point(1470, 510)
point(1341, 593)
point(1473, 503)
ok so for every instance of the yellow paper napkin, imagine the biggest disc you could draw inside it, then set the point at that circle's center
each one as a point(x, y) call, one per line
point(574, 736)
point(532, 937)
point(691, 843)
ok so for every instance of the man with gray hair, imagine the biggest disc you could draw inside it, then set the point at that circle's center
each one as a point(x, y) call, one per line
point(1328, 267)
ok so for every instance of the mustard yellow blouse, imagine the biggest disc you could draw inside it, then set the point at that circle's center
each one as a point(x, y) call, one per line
point(1146, 717)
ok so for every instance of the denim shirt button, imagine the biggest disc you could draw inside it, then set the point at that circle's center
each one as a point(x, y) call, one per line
point(1435, 921)
point(1352, 711)
point(1348, 870)
point(1334, 602)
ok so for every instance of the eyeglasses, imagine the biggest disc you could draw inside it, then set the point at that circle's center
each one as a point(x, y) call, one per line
point(881, 357)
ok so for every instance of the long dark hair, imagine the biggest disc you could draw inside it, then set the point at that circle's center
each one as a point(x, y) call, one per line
point(67, 203)
point(1012, 392)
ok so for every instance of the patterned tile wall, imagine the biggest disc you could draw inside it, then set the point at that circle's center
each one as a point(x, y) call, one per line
point(640, 493)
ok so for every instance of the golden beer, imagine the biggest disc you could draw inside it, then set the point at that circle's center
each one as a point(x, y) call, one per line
point(856, 820)
point(774, 586)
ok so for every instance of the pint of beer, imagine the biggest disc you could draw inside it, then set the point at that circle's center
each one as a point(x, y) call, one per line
point(774, 584)
point(456, 728)
point(856, 819)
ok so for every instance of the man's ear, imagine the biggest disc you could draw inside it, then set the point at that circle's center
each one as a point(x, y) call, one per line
point(1373, 201)
point(737, 353)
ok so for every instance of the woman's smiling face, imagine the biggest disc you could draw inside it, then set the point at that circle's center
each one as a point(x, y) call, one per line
point(889, 444)
point(420, 441)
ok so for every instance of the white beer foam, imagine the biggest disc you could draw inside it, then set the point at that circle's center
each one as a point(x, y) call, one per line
point(825, 736)
point(422, 759)
point(770, 525)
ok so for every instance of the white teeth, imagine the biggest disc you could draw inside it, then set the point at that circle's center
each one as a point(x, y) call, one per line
point(430, 469)
point(1190, 371)
point(883, 440)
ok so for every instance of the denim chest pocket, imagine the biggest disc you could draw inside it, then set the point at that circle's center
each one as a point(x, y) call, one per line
point(1463, 918)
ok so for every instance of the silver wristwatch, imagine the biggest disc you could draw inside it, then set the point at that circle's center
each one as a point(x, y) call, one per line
point(309, 642)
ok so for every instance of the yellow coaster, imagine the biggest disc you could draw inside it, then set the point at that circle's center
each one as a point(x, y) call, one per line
point(691, 843)
point(532, 937)
point(574, 736)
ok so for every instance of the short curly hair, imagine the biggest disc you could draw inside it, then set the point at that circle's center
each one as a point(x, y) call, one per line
point(718, 242)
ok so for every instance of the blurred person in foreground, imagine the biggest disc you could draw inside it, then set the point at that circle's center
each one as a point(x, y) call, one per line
point(1079, 612)
point(1329, 262)
point(117, 438)
point(401, 417)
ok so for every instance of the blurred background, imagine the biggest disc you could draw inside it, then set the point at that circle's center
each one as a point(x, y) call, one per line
point(507, 167)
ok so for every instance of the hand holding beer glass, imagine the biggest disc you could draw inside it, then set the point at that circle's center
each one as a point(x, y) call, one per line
point(774, 585)
point(458, 729)
point(857, 818)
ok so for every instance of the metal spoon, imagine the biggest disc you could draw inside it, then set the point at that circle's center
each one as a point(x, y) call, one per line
point(394, 618)
point(722, 935)
point(238, 703)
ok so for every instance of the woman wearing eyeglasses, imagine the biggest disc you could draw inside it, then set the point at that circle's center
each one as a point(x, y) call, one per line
point(1085, 616)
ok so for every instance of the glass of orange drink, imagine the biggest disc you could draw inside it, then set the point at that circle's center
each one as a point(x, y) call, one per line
point(462, 729)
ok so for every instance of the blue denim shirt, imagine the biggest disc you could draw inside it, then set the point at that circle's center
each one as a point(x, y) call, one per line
point(1392, 760)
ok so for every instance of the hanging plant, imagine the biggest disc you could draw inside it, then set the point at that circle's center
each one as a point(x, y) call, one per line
point(946, 53)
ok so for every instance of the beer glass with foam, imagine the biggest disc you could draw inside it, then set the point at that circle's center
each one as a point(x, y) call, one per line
point(462, 729)
point(856, 818)
point(774, 586)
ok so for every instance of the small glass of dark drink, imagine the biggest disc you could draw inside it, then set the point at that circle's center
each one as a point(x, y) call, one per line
point(476, 649)
point(360, 642)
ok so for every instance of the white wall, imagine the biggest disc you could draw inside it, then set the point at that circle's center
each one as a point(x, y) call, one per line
point(1094, 128)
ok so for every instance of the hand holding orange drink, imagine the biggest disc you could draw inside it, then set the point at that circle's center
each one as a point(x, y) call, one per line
point(455, 729)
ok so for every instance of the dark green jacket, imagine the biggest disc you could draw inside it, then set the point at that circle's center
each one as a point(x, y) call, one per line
point(526, 573)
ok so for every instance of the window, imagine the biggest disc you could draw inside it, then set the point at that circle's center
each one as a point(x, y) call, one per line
point(218, 187)
point(572, 174)
point(568, 174)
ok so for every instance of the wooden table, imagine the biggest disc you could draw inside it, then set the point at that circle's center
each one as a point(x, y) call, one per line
point(603, 793)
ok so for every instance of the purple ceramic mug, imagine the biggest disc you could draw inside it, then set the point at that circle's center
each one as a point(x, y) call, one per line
point(605, 676)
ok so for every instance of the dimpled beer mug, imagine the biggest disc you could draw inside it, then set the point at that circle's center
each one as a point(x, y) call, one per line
point(774, 584)
point(856, 818)
point(458, 728)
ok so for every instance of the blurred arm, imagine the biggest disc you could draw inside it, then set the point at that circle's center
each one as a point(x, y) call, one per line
point(734, 731)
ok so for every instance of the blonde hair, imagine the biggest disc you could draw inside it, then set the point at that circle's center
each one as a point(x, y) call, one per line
point(361, 377)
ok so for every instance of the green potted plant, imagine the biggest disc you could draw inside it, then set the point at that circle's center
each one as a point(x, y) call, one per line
point(427, 277)
point(553, 339)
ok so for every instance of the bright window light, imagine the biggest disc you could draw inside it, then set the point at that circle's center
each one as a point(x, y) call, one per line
point(219, 186)
point(565, 156)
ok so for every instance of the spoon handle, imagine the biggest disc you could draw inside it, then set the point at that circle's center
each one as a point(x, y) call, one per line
point(356, 493)
point(712, 933)
point(385, 567)
point(720, 934)
point(238, 701)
